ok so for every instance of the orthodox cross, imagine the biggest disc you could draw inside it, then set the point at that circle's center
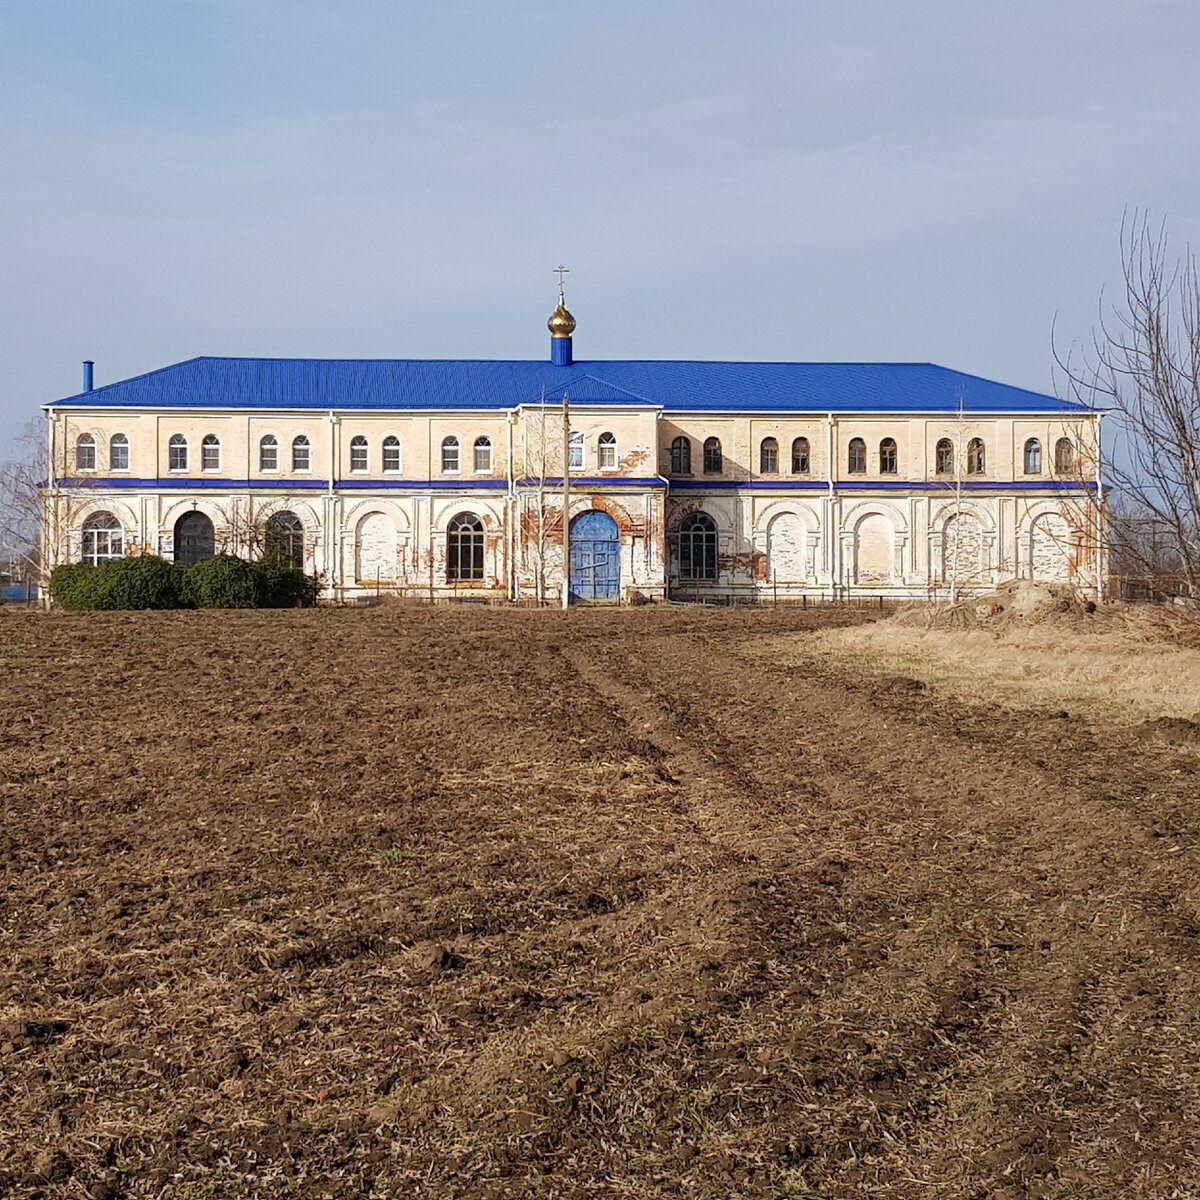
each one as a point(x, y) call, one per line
point(561, 272)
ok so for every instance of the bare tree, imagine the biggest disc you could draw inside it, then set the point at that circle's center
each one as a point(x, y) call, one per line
point(1144, 367)
point(21, 477)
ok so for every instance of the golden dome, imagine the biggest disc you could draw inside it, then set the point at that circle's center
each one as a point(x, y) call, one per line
point(561, 323)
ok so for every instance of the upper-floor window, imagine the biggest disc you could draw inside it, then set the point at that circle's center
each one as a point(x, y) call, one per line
point(360, 454)
point(483, 455)
point(118, 452)
point(887, 456)
point(976, 460)
point(85, 452)
point(301, 453)
point(450, 455)
point(681, 456)
point(103, 538)
point(944, 457)
point(1064, 456)
point(177, 453)
point(768, 456)
point(1033, 457)
point(712, 456)
point(391, 453)
point(606, 452)
point(800, 456)
point(210, 453)
point(856, 461)
point(268, 453)
point(575, 452)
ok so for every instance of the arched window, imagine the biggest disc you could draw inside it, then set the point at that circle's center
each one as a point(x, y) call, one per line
point(103, 538)
point(177, 453)
point(887, 456)
point(1064, 456)
point(483, 455)
point(85, 452)
point(606, 452)
point(681, 456)
point(301, 453)
point(118, 452)
point(391, 453)
point(464, 548)
point(944, 457)
point(1033, 457)
point(800, 456)
point(210, 453)
point(698, 547)
point(284, 540)
point(768, 457)
point(450, 455)
point(575, 452)
point(195, 537)
point(856, 462)
point(360, 454)
point(976, 461)
point(712, 456)
point(268, 453)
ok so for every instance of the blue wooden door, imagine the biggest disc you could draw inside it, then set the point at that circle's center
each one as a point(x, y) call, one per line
point(595, 557)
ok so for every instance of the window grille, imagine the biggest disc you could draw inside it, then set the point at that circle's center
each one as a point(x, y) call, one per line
point(85, 452)
point(464, 548)
point(698, 547)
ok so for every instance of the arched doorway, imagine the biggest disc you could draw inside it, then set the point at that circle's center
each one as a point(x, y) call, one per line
point(595, 557)
point(194, 538)
point(284, 540)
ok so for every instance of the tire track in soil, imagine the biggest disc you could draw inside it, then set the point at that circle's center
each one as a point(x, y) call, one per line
point(1041, 842)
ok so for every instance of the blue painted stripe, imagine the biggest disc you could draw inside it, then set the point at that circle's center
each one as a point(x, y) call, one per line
point(880, 485)
point(187, 483)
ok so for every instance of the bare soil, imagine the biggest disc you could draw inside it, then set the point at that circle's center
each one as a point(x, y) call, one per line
point(485, 903)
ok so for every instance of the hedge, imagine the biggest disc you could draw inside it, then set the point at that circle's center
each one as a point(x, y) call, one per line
point(147, 581)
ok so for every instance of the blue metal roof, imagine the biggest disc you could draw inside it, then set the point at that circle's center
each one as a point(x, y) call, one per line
point(676, 387)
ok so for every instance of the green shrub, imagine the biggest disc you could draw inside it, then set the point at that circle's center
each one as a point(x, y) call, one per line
point(280, 585)
point(73, 586)
point(147, 581)
point(221, 582)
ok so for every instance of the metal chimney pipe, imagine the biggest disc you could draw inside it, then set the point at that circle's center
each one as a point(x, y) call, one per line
point(87, 374)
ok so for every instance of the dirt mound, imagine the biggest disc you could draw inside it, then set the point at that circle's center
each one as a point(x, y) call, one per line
point(1018, 602)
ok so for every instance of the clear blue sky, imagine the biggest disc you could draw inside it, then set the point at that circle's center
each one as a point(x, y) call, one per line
point(810, 179)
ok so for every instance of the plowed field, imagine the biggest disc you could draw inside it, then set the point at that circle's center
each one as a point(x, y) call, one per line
point(483, 903)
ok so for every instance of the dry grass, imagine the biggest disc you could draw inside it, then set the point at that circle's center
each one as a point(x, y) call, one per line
point(1116, 667)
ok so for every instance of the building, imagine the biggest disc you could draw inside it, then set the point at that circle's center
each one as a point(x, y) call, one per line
point(690, 480)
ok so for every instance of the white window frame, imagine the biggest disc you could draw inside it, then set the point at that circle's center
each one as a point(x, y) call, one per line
point(575, 452)
point(606, 451)
point(360, 448)
point(270, 442)
point(392, 450)
point(177, 448)
point(85, 442)
point(210, 447)
point(107, 542)
point(482, 466)
point(118, 441)
point(302, 444)
point(451, 450)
